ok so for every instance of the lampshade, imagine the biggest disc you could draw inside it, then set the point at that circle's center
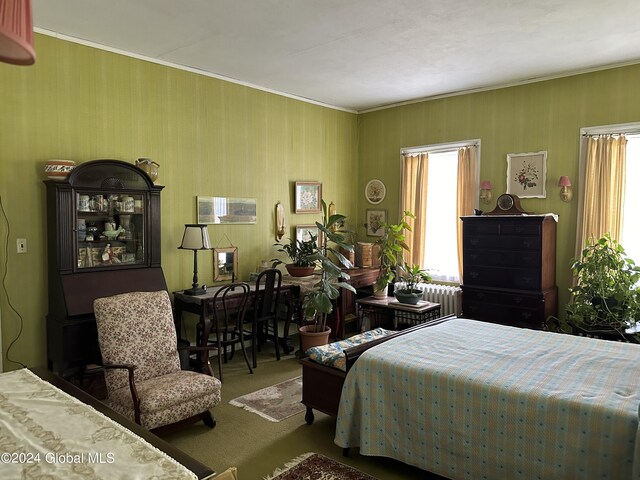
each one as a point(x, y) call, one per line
point(564, 181)
point(196, 237)
point(16, 32)
point(485, 185)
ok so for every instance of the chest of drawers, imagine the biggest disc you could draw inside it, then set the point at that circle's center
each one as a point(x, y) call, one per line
point(509, 269)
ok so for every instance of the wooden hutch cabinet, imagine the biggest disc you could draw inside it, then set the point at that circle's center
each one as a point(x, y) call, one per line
point(103, 237)
point(510, 269)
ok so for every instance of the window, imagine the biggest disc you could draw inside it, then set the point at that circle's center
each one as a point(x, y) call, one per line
point(440, 242)
point(431, 178)
point(630, 237)
point(608, 218)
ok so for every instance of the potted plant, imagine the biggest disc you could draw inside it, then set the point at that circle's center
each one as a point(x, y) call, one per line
point(299, 252)
point(410, 276)
point(391, 244)
point(318, 301)
point(606, 294)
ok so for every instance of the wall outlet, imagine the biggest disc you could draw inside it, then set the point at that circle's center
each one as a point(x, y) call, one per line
point(22, 245)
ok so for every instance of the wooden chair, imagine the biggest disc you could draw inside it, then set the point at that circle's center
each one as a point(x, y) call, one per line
point(264, 318)
point(228, 308)
point(138, 342)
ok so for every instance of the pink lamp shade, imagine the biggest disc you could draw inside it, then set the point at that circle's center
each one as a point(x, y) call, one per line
point(485, 185)
point(564, 181)
point(16, 32)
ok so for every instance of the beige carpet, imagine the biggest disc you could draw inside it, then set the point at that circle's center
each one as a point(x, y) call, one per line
point(313, 466)
point(275, 403)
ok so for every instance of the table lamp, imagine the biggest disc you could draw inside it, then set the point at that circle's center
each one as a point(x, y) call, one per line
point(196, 237)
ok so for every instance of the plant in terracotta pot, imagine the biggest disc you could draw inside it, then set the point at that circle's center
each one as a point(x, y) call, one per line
point(606, 295)
point(299, 252)
point(410, 276)
point(391, 245)
point(318, 300)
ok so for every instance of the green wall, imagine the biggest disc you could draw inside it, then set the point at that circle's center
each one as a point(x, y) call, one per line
point(538, 116)
point(210, 137)
point(215, 138)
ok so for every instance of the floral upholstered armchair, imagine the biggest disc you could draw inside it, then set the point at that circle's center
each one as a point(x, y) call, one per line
point(138, 343)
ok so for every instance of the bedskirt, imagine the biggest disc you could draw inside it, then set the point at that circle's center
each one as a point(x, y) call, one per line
point(473, 400)
point(46, 433)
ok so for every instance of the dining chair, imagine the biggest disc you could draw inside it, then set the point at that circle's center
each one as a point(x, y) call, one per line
point(139, 348)
point(264, 319)
point(227, 310)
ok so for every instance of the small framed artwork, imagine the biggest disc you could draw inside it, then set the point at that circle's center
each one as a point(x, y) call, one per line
point(375, 219)
point(375, 191)
point(527, 174)
point(304, 232)
point(308, 197)
point(214, 210)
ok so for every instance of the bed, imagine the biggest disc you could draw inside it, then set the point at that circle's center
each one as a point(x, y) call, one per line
point(47, 430)
point(472, 400)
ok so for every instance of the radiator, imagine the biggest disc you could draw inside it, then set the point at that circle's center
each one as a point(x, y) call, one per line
point(448, 296)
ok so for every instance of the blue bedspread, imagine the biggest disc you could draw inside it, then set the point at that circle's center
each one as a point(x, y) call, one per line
point(473, 400)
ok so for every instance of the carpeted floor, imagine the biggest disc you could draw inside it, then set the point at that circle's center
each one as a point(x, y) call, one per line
point(257, 446)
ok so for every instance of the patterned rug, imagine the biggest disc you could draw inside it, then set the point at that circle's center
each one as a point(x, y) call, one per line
point(313, 466)
point(275, 403)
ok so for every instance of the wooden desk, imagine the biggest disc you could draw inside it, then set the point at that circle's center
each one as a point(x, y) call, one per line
point(395, 311)
point(344, 307)
point(202, 305)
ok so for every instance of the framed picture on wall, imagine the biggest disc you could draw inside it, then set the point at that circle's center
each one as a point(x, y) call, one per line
point(375, 191)
point(308, 197)
point(375, 219)
point(304, 232)
point(527, 174)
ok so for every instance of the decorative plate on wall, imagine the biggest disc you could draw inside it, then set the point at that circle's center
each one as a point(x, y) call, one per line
point(375, 191)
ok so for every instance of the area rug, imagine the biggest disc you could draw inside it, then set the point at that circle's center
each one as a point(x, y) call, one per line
point(313, 466)
point(275, 403)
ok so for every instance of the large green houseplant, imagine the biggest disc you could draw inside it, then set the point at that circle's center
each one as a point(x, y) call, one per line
point(318, 301)
point(391, 245)
point(606, 294)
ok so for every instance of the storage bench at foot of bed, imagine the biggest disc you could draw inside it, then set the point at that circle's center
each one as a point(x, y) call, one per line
point(321, 388)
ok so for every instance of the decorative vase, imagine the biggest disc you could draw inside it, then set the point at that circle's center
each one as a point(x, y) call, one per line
point(409, 297)
point(149, 167)
point(58, 169)
point(310, 338)
point(297, 271)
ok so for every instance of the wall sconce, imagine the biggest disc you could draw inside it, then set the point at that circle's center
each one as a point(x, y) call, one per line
point(196, 237)
point(566, 192)
point(485, 191)
point(281, 222)
point(16, 32)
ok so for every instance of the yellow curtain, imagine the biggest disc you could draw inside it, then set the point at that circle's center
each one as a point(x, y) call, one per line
point(604, 180)
point(414, 198)
point(467, 191)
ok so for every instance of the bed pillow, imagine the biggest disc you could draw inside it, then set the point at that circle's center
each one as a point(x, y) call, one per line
point(332, 354)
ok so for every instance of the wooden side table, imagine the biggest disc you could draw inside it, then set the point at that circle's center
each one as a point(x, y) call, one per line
point(381, 310)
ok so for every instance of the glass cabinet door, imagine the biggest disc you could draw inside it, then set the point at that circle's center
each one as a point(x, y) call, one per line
point(110, 228)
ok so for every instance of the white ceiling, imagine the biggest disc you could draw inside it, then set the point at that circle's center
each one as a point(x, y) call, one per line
point(360, 54)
